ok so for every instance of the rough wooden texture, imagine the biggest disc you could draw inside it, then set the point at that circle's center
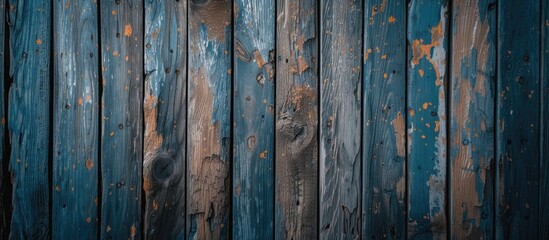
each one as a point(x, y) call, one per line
point(544, 164)
point(296, 189)
point(472, 120)
point(426, 119)
point(29, 117)
point(518, 112)
point(165, 109)
point(253, 153)
point(122, 118)
point(76, 120)
point(208, 177)
point(384, 112)
point(5, 182)
point(340, 116)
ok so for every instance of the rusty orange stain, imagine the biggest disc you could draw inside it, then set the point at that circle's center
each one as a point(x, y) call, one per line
point(38, 41)
point(132, 231)
point(128, 30)
point(392, 19)
point(301, 65)
point(115, 53)
point(437, 126)
point(89, 164)
point(259, 59)
point(425, 105)
point(113, 12)
point(263, 154)
point(385, 75)
point(384, 56)
point(399, 129)
point(412, 112)
point(80, 101)
point(423, 136)
point(421, 72)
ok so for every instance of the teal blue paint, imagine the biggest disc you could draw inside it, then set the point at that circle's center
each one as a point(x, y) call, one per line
point(5, 189)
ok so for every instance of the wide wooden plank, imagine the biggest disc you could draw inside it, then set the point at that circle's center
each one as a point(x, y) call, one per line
point(76, 120)
point(29, 117)
point(209, 116)
point(518, 112)
point(122, 118)
point(296, 181)
point(544, 164)
point(5, 182)
point(340, 116)
point(384, 112)
point(165, 112)
point(253, 129)
point(426, 119)
point(472, 122)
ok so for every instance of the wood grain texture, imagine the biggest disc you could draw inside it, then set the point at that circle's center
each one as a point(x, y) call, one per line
point(518, 126)
point(208, 177)
point(426, 119)
point(340, 116)
point(5, 181)
point(472, 101)
point(296, 189)
point(384, 112)
point(253, 129)
point(165, 110)
point(29, 117)
point(122, 118)
point(544, 163)
point(75, 120)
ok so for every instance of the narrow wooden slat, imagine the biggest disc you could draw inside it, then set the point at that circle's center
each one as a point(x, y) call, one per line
point(472, 119)
point(518, 112)
point(29, 117)
point(5, 182)
point(544, 164)
point(426, 119)
point(208, 177)
point(122, 118)
point(253, 153)
point(296, 147)
point(165, 119)
point(76, 120)
point(384, 145)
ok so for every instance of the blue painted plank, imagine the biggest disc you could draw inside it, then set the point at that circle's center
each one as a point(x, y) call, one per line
point(544, 163)
point(209, 115)
point(5, 181)
point(76, 120)
point(122, 118)
point(426, 119)
point(253, 129)
point(29, 117)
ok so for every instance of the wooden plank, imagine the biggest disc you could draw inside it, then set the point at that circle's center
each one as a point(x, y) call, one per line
point(384, 112)
point(426, 119)
point(165, 119)
point(29, 117)
point(253, 152)
point(208, 177)
point(340, 116)
point(472, 101)
point(76, 120)
point(544, 163)
point(517, 131)
point(5, 181)
point(122, 118)
point(296, 195)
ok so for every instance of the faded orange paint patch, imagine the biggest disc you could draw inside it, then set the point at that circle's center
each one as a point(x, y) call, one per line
point(38, 41)
point(89, 164)
point(128, 30)
point(399, 129)
point(301, 65)
point(421, 72)
point(132, 231)
point(392, 19)
point(113, 12)
point(263, 154)
point(80, 101)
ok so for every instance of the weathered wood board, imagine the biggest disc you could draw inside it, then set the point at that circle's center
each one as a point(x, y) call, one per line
point(544, 163)
point(5, 183)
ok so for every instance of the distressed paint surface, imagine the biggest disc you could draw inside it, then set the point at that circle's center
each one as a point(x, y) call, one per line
point(122, 118)
point(253, 129)
point(544, 163)
point(165, 111)
point(340, 110)
point(426, 119)
point(296, 194)
point(518, 116)
point(5, 182)
point(384, 120)
point(75, 120)
point(29, 117)
point(208, 177)
point(472, 120)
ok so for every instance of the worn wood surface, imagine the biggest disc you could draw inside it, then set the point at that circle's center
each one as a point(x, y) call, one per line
point(29, 117)
point(518, 116)
point(253, 129)
point(208, 177)
point(165, 119)
point(122, 118)
point(426, 119)
point(384, 120)
point(296, 189)
point(544, 91)
point(75, 120)
point(340, 113)
point(5, 183)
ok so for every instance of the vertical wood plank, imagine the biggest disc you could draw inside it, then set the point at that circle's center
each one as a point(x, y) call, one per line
point(472, 119)
point(165, 109)
point(426, 120)
point(518, 112)
point(29, 117)
point(296, 154)
point(5, 182)
point(76, 120)
point(208, 179)
point(254, 72)
point(544, 164)
point(384, 144)
point(122, 118)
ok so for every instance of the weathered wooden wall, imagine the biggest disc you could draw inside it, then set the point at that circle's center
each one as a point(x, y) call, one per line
point(264, 119)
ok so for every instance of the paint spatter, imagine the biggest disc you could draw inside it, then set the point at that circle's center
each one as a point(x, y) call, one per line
point(128, 30)
point(263, 155)
point(38, 41)
point(392, 19)
point(89, 164)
